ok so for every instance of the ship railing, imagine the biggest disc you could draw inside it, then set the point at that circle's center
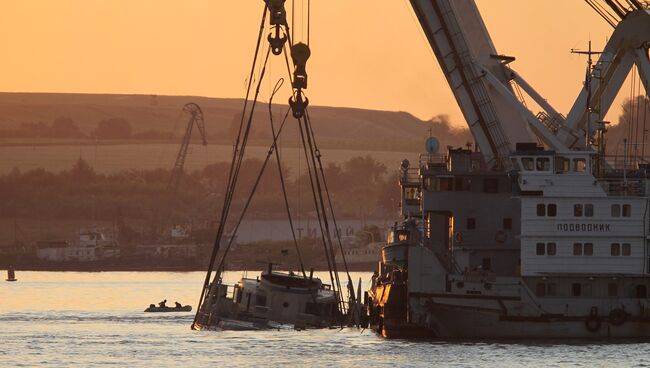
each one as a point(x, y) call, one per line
point(428, 160)
point(554, 123)
point(624, 187)
point(411, 176)
point(632, 162)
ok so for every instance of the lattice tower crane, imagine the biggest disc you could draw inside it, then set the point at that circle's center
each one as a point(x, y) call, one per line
point(196, 118)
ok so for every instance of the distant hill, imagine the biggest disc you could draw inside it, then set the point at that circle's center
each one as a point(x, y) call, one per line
point(335, 127)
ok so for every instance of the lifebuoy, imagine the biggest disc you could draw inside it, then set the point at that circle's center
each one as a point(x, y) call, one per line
point(592, 323)
point(458, 237)
point(617, 317)
point(500, 236)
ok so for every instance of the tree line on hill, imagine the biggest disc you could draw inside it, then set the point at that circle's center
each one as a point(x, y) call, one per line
point(360, 188)
point(67, 128)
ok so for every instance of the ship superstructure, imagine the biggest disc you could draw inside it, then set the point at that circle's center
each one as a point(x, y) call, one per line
point(517, 239)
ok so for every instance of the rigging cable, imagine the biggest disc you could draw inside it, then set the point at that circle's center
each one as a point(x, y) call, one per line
point(637, 99)
point(330, 205)
point(322, 222)
point(630, 117)
point(315, 187)
point(645, 120)
point(284, 189)
point(253, 191)
point(329, 199)
point(232, 172)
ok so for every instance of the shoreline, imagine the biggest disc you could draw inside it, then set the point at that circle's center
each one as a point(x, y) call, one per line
point(95, 267)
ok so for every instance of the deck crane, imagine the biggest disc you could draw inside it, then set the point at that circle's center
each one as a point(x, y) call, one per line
point(484, 82)
point(628, 46)
point(480, 79)
point(196, 118)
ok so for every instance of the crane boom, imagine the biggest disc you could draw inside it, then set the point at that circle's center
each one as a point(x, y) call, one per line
point(196, 118)
point(465, 53)
point(627, 46)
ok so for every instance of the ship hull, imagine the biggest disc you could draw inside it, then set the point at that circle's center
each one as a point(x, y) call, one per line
point(462, 317)
point(448, 322)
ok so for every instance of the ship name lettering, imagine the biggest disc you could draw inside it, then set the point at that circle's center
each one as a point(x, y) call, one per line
point(584, 227)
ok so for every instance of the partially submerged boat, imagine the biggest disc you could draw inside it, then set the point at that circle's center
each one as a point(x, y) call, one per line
point(273, 298)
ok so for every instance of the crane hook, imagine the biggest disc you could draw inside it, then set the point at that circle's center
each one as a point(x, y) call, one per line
point(277, 19)
point(298, 103)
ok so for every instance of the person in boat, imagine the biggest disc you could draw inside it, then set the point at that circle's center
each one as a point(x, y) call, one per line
point(163, 304)
point(178, 305)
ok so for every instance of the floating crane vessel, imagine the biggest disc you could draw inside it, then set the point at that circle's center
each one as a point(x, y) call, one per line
point(537, 233)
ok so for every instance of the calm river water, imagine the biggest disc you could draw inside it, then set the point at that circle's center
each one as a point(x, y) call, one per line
point(96, 320)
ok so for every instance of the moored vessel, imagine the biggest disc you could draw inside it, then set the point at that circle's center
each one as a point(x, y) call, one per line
point(538, 232)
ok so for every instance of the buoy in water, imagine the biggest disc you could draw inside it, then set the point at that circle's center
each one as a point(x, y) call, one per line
point(11, 274)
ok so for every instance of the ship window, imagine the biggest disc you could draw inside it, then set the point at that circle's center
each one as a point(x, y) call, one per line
point(429, 184)
point(586, 290)
point(551, 289)
point(543, 164)
point(577, 249)
point(541, 209)
point(589, 210)
point(507, 223)
point(627, 210)
point(562, 164)
point(588, 249)
point(471, 223)
point(616, 249)
point(577, 210)
point(402, 236)
point(641, 291)
point(460, 185)
point(627, 249)
point(515, 164)
point(552, 210)
point(576, 289)
point(616, 210)
point(260, 300)
point(579, 165)
point(486, 264)
point(446, 184)
point(528, 163)
point(540, 249)
point(540, 289)
point(491, 185)
point(612, 290)
point(411, 194)
point(551, 249)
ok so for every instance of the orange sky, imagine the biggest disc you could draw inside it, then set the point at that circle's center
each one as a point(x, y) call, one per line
point(365, 53)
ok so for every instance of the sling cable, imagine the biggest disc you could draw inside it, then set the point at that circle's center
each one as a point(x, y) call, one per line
point(298, 102)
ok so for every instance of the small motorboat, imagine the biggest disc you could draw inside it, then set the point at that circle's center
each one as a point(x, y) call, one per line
point(11, 274)
point(157, 309)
